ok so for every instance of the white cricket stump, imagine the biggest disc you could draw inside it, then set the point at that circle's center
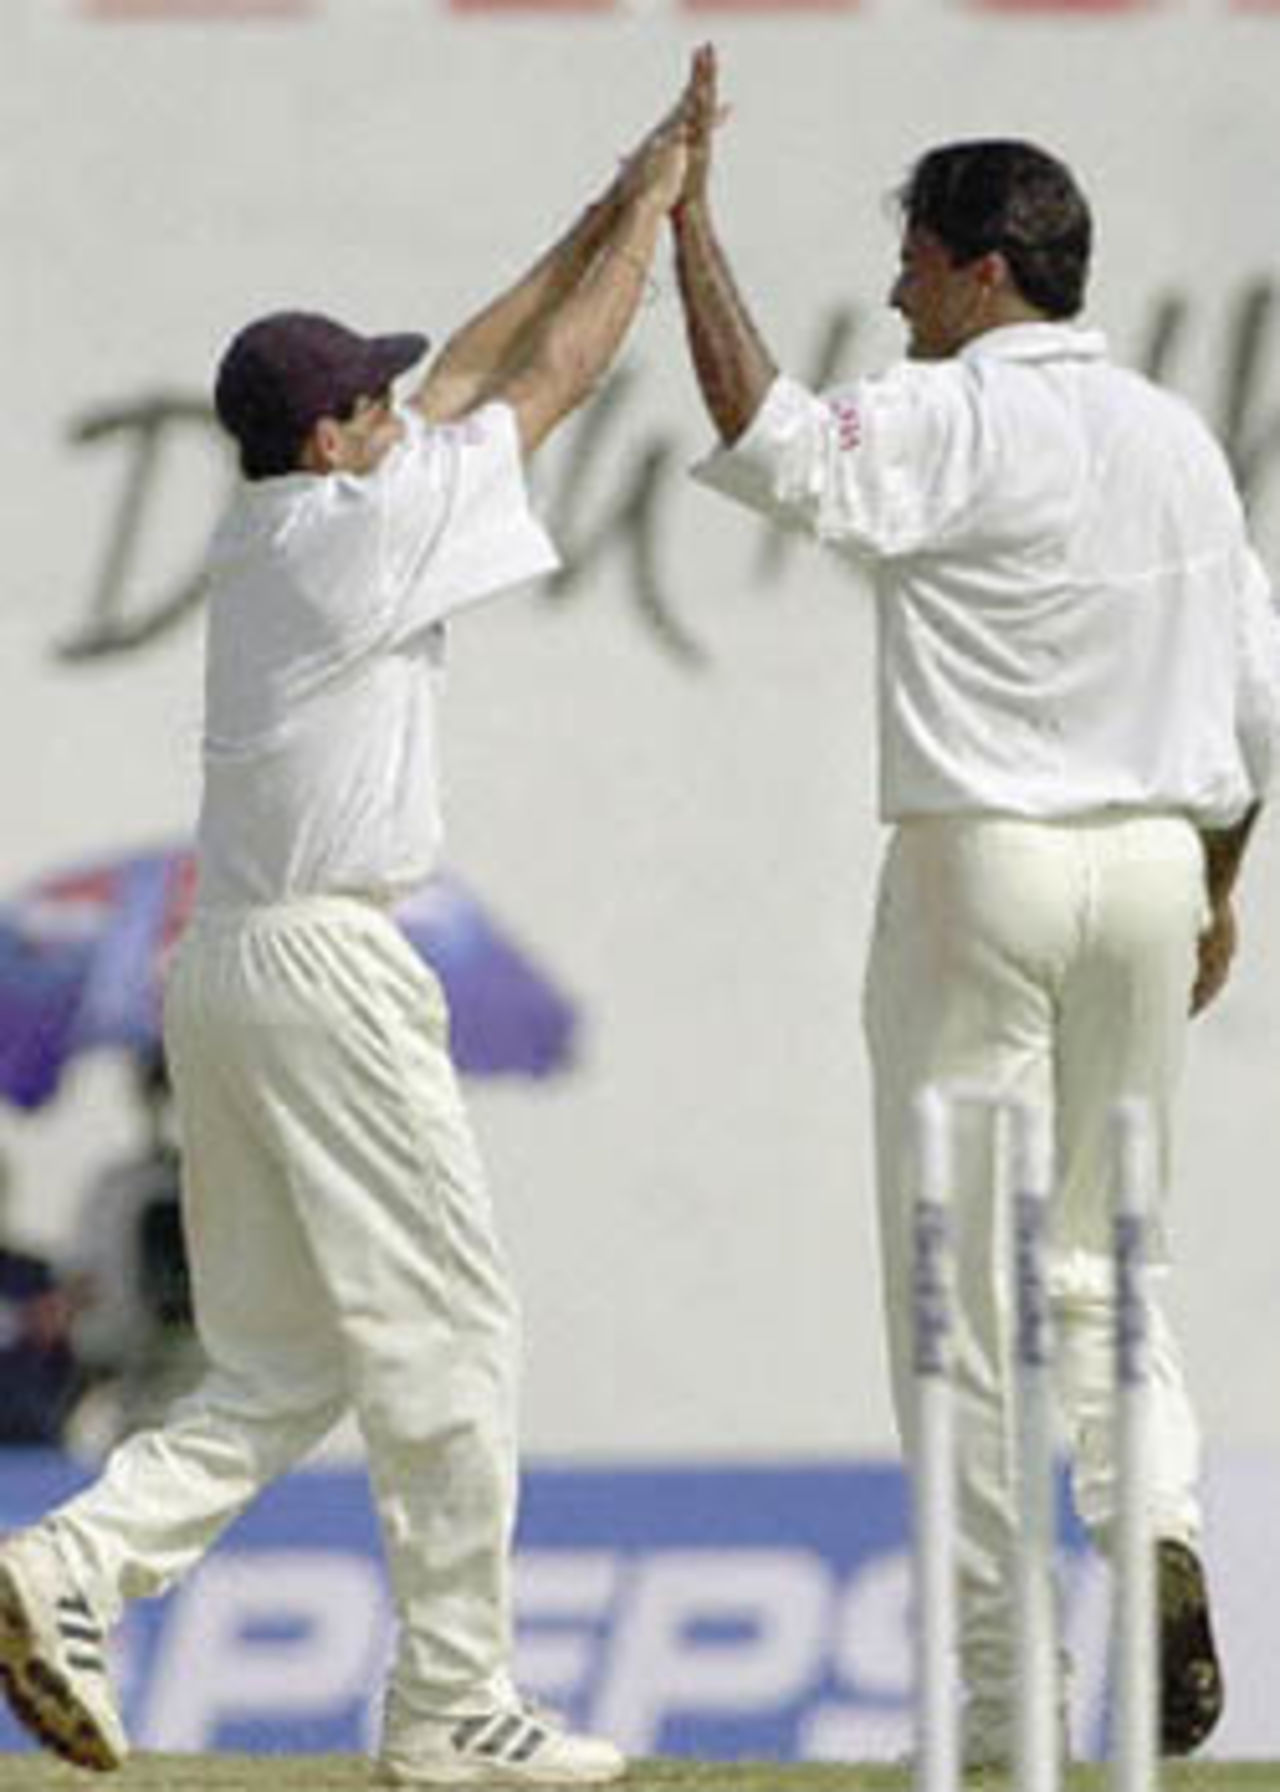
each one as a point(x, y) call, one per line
point(1134, 1750)
point(1037, 1741)
point(937, 1739)
point(1022, 1136)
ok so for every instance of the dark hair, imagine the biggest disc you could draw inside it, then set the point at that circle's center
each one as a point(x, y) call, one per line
point(268, 456)
point(277, 447)
point(998, 194)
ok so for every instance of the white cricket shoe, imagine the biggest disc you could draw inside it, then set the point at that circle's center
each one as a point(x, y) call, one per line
point(514, 1745)
point(53, 1664)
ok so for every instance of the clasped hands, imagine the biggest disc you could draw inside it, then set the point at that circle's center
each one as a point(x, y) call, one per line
point(670, 167)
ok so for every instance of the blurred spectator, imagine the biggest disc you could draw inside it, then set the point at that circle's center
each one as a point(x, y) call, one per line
point(39, 1377)
point(133, 1325)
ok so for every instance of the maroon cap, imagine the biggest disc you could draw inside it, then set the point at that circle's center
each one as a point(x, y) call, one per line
point(280, 375)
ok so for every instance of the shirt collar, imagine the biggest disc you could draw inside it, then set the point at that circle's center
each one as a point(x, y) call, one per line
point(1037, 342)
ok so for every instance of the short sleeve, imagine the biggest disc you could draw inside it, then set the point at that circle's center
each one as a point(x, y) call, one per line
point(455, 522)
point(885, 465)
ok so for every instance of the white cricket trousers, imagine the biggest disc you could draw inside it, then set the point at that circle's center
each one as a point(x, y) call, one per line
point(343, 1255)
point(1052, 962)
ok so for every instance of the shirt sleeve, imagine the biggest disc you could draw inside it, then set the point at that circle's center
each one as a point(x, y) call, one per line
point(1258, 675)
point(884, 466)
point(455, 522)
point(364, 563)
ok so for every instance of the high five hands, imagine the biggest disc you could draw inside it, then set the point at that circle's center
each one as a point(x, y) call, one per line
point(671, 165)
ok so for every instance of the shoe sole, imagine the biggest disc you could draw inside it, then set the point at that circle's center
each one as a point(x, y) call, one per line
point(42, 1699)
point(1191, 1690)
point(494, 1773)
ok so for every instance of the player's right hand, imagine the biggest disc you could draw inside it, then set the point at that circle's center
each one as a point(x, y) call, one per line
point(1215, 950)
point(702, 114)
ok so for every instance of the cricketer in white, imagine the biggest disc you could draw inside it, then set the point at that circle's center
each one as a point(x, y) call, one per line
point(342, 1244)
point(1079, 702)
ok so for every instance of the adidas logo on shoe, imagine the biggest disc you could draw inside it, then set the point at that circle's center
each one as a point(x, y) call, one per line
point(512, 1746)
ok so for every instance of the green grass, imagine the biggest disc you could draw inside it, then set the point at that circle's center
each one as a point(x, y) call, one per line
point(343, 1773)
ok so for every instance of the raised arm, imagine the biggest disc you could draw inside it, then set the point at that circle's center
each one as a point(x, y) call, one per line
point(544, 343)
point(733, 365)
point(498, 338)
point(572, 350)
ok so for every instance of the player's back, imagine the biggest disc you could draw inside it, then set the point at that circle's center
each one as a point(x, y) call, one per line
point(1159, 492)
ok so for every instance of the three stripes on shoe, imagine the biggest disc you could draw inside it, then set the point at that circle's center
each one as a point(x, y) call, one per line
point(502, 1736)
point(81, 1632)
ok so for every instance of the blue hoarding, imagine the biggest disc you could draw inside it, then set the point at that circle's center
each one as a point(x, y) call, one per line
point(724, 1613)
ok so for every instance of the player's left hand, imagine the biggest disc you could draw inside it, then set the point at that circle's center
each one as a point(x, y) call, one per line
point(704, 115)
point(657, 169)
point(1216, 949)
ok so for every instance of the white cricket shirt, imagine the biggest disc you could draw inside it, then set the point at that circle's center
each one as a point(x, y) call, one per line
point(327, 602)
point(1070, 615)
